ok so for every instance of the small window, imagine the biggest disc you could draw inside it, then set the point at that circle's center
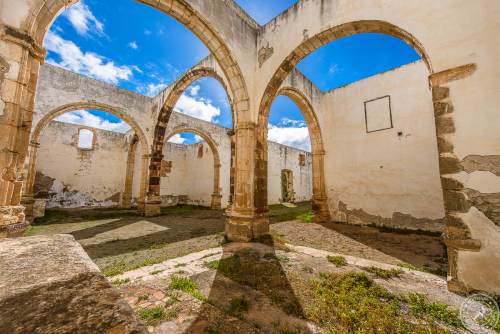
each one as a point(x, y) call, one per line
point(302, 159)
point(85, 139)
point(378, 114)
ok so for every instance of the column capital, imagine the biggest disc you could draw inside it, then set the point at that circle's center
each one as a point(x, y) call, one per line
point(25, 40)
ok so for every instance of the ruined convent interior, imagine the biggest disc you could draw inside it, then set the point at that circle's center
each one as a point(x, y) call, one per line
point(249, 166)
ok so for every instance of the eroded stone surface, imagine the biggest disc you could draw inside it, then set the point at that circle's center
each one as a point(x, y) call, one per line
point(48, 284)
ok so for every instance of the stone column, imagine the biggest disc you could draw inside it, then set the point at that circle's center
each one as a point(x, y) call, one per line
point(216, 202)
point(148, 204)
point(20, 59)
point(320, 200)
point(231, 171)
point(248, 216)
point(28, 195)
point(129, 174)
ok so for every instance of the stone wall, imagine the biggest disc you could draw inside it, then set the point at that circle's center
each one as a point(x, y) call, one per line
point(386, 173)
point(191, 175)
point(72, 177)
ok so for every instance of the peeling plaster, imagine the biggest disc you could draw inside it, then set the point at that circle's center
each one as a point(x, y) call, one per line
point(265, 52)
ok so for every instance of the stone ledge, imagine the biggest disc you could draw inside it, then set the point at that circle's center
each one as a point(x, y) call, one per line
point(48, 284)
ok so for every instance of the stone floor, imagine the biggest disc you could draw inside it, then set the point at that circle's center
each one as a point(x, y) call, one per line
point(274, 307)
point(169, 268)
point(119, 240)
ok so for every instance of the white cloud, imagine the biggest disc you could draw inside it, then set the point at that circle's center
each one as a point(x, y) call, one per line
point(199, 108)
point(287, 122)
point(197, 139)
point(147, 32)
point(333, 69)
point(177, 139)
point(86, 63)
point(297, 137)
point(83, 117)
point(85, 138)
point(83, 20)
point(194, 90)
point(133, 45)
point(152, 90)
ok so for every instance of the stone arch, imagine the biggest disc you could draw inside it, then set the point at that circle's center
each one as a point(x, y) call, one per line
point(216, 195)
point(168, 106)
point(47, 118)
point(43, 12)
point(457, 235)
point(308, 46)
point(319, 200)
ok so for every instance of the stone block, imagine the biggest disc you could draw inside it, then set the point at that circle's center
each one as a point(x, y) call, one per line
point(48, 284)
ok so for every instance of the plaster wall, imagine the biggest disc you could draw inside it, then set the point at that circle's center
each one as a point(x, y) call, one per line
point(97, 177)
point(190, 175)
point(388, 177)
point(93, 177)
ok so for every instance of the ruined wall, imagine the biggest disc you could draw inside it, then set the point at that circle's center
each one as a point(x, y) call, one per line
point(73, 177)
point(285, 157)
point(191, 176)
point(386, 176)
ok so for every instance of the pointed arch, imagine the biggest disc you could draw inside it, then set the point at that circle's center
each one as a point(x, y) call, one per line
point(168, 106)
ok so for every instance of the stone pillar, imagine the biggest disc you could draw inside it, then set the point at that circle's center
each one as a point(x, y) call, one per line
point(28, 195)
point(129, 174)
point(216, 202)
point(148, 204)
point(20, 59)
point(457, 235)
point(320, 200)
point(248, 218)
point(231, 171)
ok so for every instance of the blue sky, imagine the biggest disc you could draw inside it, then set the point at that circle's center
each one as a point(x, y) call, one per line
point(138, 48)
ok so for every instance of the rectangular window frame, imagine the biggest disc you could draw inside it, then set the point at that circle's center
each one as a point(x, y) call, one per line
point(390, 114)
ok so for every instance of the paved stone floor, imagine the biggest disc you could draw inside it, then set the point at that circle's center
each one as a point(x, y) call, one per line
point(119, 240)
point(168, 268)
point(209, 311)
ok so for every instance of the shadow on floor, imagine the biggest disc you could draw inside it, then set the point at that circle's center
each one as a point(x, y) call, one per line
point(272, 306)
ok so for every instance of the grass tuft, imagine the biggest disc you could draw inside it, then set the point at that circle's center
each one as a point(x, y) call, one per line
point(237, 307)
point(121, 281)
point(143, 297)
point(338, 260)
point(384, 273)
point(153, 315)
point(420, 306)
point(186, 285)
point(354, 303)
point(424, 269)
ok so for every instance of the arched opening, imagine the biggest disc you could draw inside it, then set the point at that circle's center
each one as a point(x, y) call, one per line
point(69, 164)
point(371, 126)
point(180, 99)
point(294, 124)
point(191, 170)
point(39, 17)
